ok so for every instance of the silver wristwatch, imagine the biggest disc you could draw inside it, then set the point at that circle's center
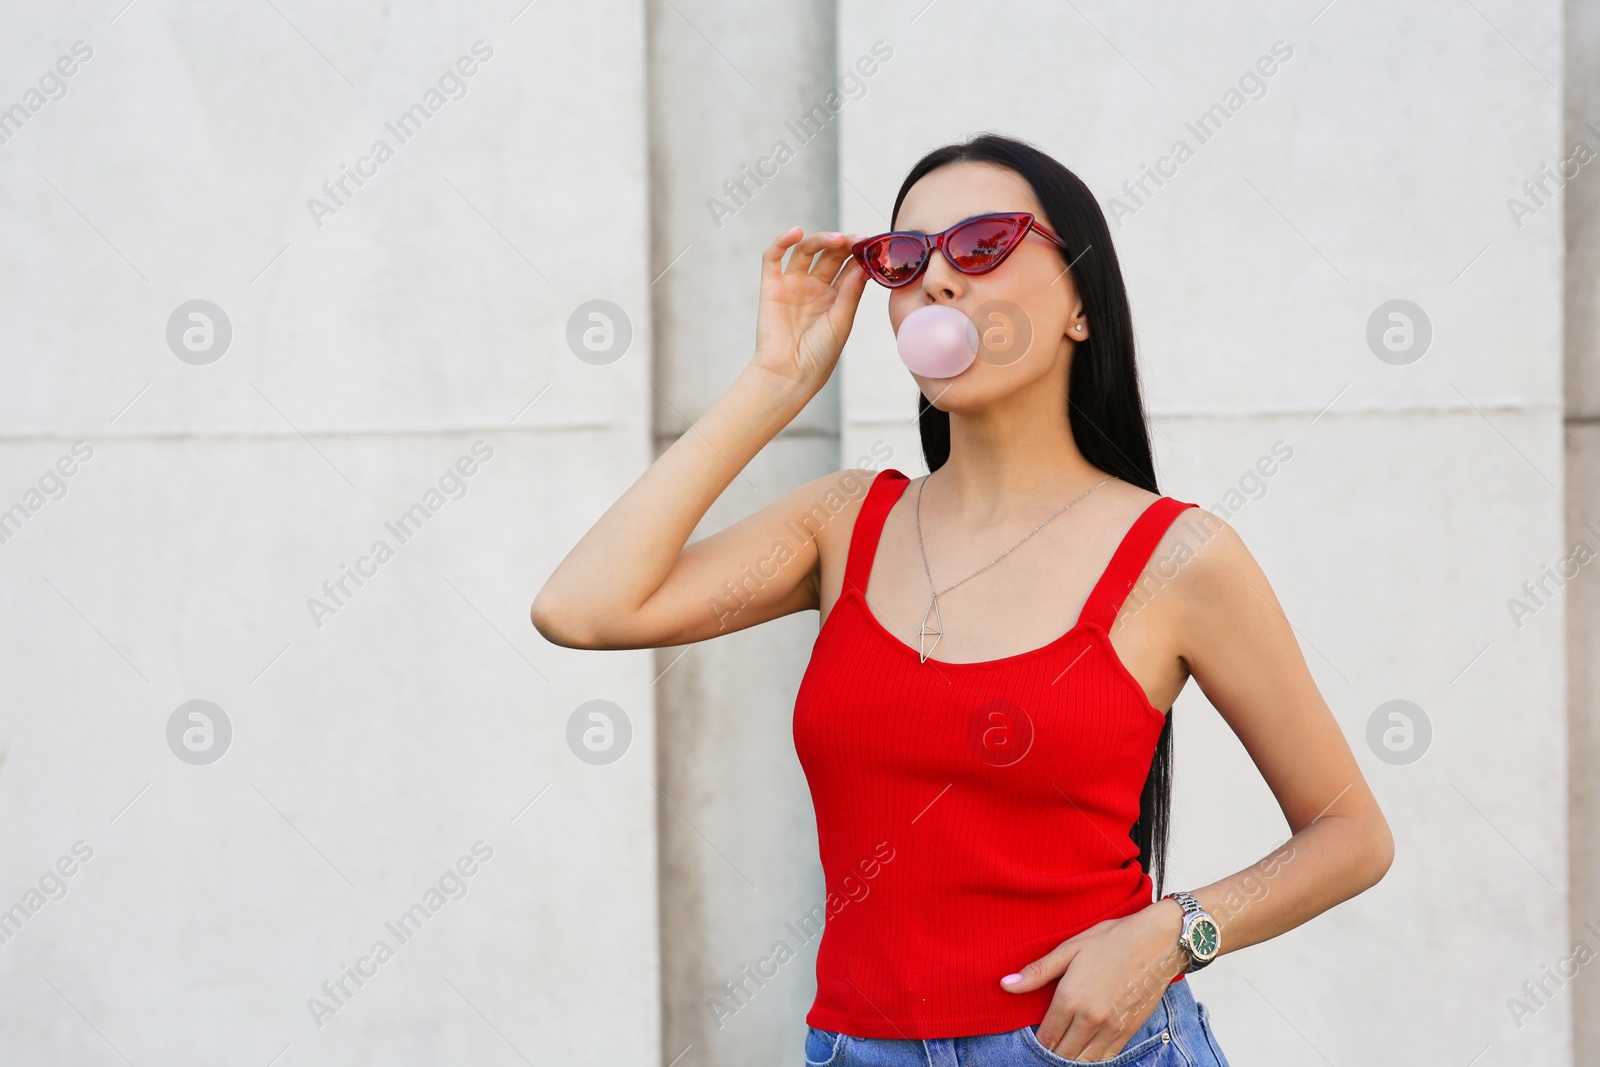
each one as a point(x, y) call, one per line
point(1201, 938)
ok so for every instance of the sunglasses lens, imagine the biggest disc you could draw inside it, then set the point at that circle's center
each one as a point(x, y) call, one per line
point(894, 260)
point(980, 245)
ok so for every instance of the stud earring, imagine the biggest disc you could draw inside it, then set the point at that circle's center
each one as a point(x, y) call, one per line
point(1079, 327)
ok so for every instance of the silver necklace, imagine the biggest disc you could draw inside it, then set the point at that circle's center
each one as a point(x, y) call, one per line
point(936, 630)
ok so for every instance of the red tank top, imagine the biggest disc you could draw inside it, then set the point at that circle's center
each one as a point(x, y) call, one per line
point(970, 816)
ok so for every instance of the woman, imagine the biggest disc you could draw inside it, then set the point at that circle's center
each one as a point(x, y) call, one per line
point(1004, 800)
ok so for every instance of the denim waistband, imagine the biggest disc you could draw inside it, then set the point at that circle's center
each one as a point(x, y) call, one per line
point(1176, 1033)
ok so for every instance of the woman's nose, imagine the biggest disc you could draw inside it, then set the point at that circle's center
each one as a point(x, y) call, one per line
point(940, 279)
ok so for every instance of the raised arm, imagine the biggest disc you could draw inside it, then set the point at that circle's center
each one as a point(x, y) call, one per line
point(631, 582)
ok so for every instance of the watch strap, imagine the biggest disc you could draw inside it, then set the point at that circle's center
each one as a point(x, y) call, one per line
point(1186, 901)
point(1190, 907)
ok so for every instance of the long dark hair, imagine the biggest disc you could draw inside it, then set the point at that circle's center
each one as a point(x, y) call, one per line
point(1103, 401)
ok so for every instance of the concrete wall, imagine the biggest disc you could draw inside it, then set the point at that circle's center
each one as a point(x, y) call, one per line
point(537, 268)
point(738, 839)
point(1582, 205)
point(368, 354)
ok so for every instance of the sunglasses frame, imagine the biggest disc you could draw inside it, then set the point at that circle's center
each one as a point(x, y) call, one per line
point(938, 241)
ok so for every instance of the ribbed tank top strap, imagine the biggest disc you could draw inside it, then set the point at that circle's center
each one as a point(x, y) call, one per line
point(1129, 561)
point(881, 495)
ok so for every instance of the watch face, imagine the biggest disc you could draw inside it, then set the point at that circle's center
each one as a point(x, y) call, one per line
point(1204, 938)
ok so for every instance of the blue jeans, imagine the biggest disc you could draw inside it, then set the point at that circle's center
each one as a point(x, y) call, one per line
point(1177, 1034)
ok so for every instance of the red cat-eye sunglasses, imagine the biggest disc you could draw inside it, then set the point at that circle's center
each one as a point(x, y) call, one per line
point(975, 246)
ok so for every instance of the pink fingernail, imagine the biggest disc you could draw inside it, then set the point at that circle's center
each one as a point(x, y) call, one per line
point(1012, 978)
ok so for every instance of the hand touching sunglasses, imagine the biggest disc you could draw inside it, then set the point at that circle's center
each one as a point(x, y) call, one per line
point(975, 246)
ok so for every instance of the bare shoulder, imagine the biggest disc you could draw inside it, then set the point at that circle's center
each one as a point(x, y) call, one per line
point(829, 506)
point(1207, 566)
point(1127, 500)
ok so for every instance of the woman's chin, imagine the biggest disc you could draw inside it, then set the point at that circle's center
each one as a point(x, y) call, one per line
point(974, 390)
point(960, 393)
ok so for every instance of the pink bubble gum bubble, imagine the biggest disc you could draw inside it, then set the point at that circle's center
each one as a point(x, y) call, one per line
point(937, 341)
